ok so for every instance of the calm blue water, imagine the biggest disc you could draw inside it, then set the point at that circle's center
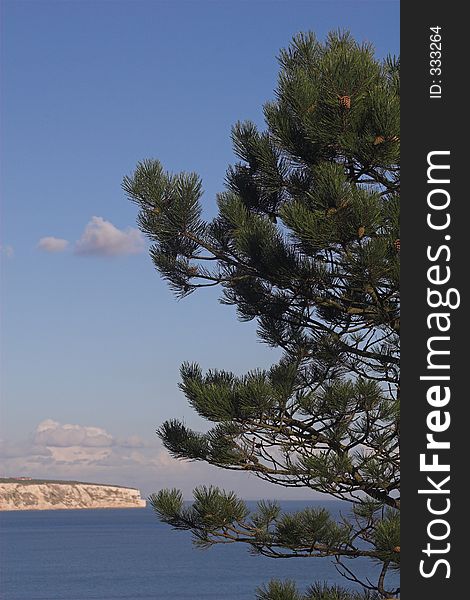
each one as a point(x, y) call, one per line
point(129, 555)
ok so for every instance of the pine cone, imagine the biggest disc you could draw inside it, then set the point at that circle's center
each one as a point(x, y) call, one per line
point(396, 243)
point(345, 102)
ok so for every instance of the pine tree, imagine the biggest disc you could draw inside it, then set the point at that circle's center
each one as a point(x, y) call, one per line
point(305, 242)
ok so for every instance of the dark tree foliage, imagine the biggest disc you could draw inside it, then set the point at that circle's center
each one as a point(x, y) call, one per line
point(305, 242)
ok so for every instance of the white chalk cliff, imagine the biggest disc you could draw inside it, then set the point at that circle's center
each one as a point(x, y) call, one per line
point(46, 495)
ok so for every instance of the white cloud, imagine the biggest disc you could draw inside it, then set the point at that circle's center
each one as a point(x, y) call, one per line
point(52, 244)
point(102, 238)
point(7, 251)
point(133, 441)
point(78, 455)
point(88, 453)
point(52, 433)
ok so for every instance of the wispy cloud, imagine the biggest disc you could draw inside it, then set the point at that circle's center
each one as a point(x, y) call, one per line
point(52, 244)
point(102, 238)
point(7, 251)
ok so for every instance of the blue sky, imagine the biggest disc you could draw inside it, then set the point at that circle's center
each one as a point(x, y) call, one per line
point(92, 339)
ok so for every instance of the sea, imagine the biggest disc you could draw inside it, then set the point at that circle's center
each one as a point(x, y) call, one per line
point(128, 554)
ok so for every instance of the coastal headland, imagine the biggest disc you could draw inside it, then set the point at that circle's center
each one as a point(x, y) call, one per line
point(42, 494)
